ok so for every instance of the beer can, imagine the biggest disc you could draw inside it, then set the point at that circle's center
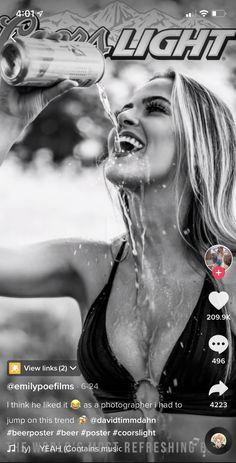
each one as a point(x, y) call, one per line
point(29, 61)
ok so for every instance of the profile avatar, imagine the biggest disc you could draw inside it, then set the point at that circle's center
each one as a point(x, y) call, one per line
point(219, 440)
point(218, 256)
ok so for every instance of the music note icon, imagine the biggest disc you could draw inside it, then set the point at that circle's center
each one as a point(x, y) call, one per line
point(11, 448)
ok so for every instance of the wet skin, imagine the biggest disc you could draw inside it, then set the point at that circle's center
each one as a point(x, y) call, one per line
point(150, 315)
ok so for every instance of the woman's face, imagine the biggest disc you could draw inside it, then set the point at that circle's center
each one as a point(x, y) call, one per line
point(147, 140)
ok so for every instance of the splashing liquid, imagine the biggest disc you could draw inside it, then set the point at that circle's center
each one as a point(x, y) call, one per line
point(147, 390)
point(129, 223)
point(107, 108)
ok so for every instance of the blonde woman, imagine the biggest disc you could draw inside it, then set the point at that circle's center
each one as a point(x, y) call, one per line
point(145, 329)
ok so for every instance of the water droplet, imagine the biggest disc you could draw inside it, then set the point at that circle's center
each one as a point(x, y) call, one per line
point(75, 252)
point(175, 382)
point(182, 344)
point(88, 263)
point(163, 186)
point(174, 226)
point(186, 232)
point(80, 246)
point(163, 232)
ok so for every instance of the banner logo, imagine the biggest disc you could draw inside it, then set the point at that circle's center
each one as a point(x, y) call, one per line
point(123, 33)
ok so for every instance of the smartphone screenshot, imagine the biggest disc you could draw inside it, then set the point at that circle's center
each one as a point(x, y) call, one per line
point(117, 231)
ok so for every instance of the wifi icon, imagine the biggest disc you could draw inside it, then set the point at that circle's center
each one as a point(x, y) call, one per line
point(203, 12)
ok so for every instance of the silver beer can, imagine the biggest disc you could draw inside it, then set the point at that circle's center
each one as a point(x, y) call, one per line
point(29, 61)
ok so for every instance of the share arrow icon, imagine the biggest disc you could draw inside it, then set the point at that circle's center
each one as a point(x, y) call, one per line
point(221, 388)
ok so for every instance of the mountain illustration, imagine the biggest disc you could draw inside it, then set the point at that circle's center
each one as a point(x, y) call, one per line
point(114, 15)
point(152, 19)
point(118, 15)
point(61, 20)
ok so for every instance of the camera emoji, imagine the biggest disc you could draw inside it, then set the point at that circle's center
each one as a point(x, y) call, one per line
point(83, 419)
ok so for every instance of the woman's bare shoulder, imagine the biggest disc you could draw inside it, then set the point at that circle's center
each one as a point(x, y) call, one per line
point(92, 251)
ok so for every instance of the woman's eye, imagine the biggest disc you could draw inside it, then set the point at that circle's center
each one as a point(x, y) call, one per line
point(155, 106)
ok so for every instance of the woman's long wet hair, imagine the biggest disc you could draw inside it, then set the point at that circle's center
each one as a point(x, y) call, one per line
point(205, 135)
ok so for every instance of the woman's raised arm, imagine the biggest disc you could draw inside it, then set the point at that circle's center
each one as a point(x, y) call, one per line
point(55, 269)
point(44, 269)
point(38, 270)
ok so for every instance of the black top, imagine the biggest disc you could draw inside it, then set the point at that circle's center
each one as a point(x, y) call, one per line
point(189, 372)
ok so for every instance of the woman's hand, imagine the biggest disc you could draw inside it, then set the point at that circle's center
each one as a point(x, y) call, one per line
point(24, 104)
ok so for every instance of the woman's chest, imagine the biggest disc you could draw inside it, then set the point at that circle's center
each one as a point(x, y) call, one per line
point(144, 324)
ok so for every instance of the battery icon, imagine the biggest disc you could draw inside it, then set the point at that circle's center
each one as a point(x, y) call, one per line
point(219, 13)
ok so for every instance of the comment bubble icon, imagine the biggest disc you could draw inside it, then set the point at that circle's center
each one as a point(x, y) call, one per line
point(218, 343)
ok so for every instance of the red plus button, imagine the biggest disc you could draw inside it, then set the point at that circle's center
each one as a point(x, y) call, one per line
point(218, 272)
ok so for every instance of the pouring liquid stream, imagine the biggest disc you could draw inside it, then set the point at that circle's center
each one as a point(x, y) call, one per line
point(107, 107)
point(147, 391)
